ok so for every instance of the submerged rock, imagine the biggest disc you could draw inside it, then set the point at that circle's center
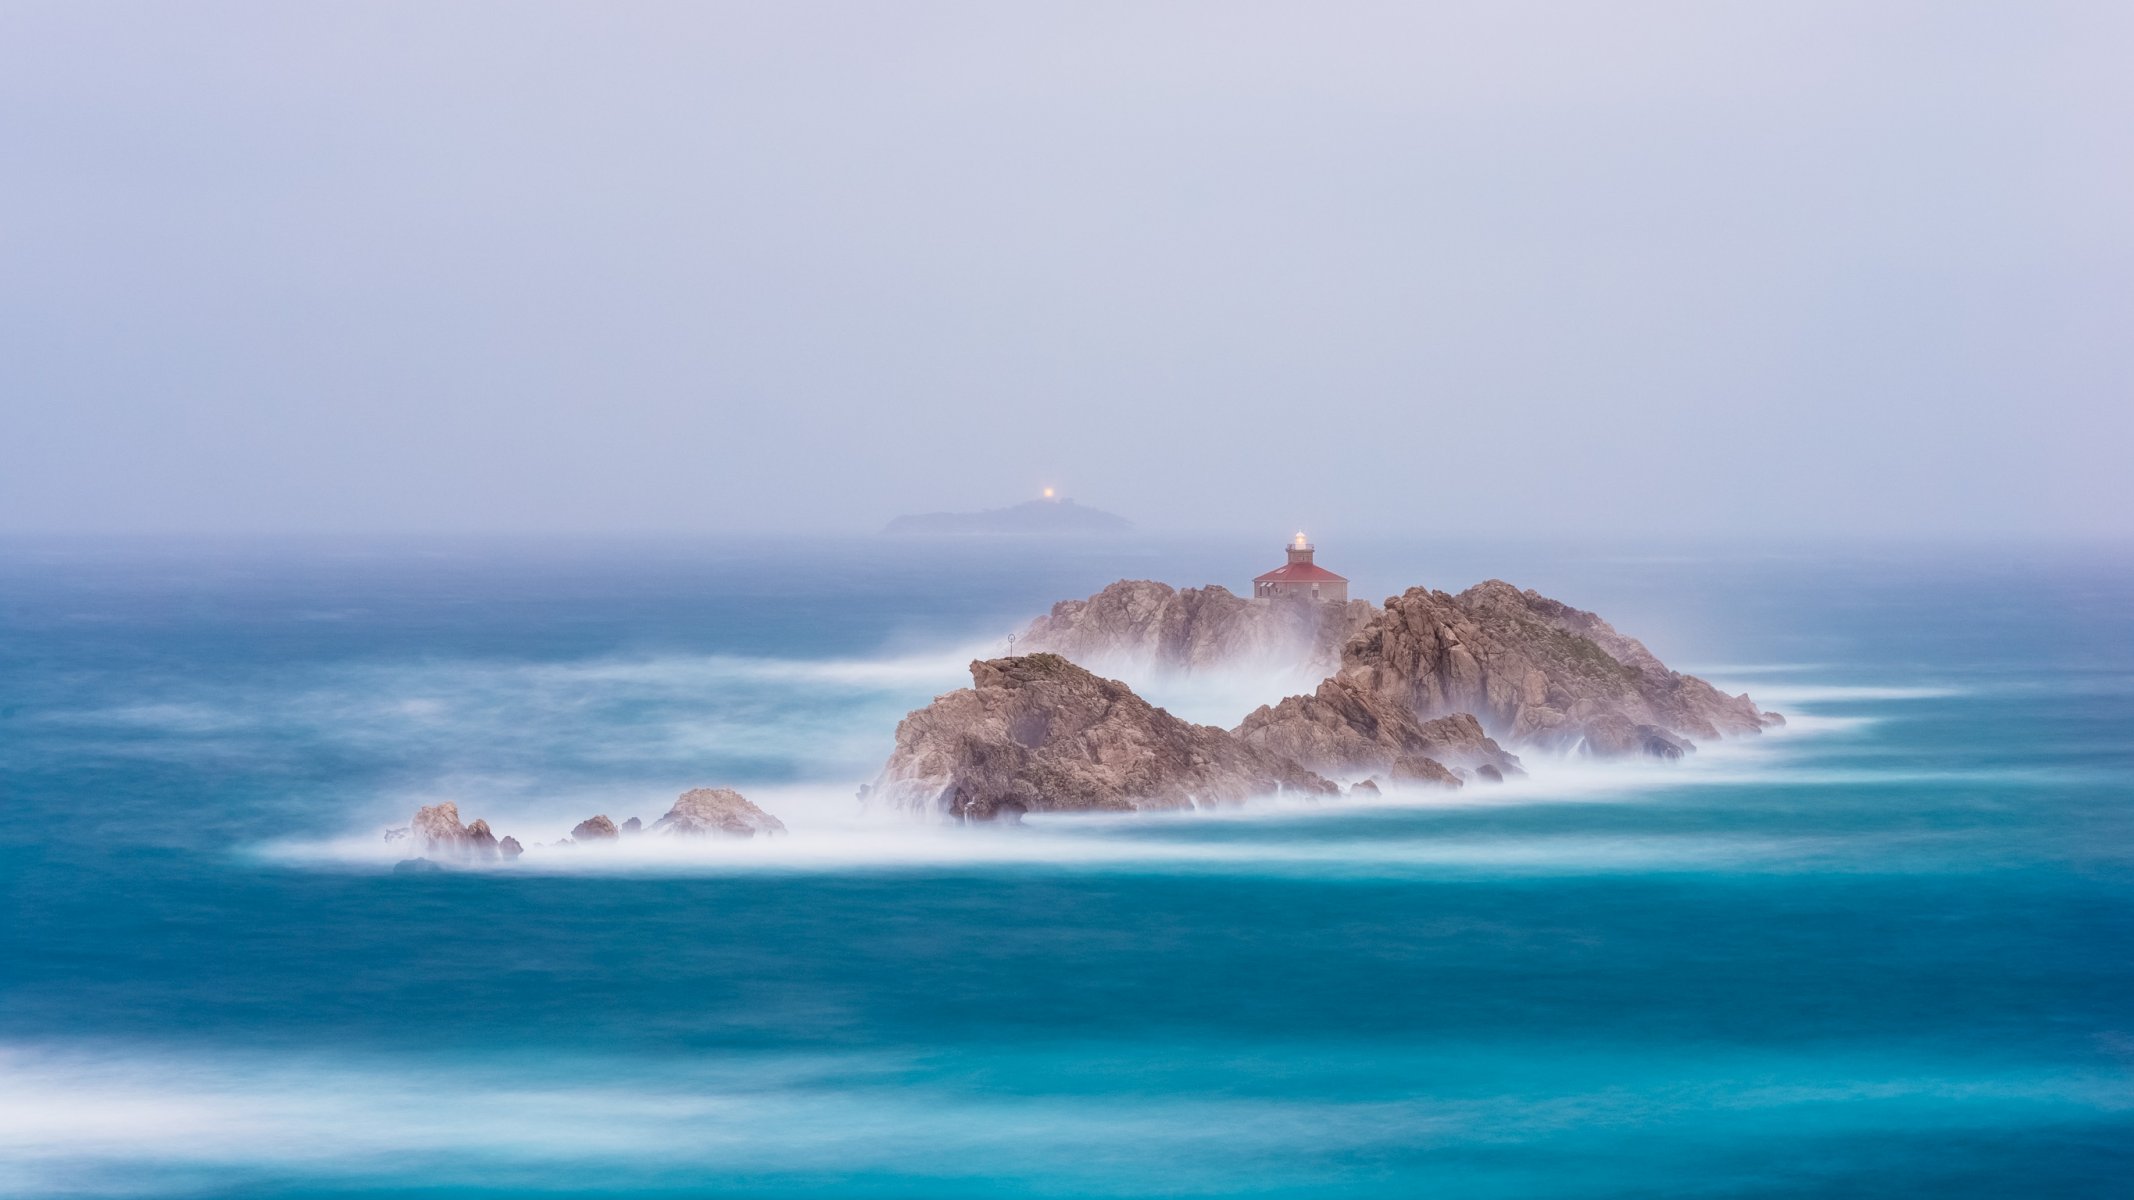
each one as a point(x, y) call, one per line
point(595, 829)
point(415, 866)
point(716, 812)
point(1612, 735)
point(1036, 733)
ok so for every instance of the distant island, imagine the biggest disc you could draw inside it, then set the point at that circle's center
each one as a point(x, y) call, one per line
point(1047, 516)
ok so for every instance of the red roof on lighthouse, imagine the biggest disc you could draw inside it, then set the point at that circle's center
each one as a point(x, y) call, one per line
point(1299, 573)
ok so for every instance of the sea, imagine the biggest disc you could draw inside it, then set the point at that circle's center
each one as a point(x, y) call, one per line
point(1881, 951)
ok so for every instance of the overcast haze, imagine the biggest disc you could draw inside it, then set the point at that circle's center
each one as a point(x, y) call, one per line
point(1652, 269)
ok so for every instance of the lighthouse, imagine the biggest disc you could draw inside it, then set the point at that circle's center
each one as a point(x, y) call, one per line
point(1300, 578)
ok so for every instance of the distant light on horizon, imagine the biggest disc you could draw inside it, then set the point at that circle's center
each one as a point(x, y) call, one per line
point(1048, 493)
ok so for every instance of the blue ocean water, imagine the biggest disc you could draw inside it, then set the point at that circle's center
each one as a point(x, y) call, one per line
point(1884, 952)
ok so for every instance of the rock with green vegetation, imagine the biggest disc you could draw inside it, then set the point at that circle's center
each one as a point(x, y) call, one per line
point(1537, 672)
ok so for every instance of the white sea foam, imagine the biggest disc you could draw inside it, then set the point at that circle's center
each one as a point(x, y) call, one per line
point(636, 731)
point(156, 1120)
point(1394, 835)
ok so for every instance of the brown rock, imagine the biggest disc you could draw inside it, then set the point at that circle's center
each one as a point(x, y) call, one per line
point(436, 831)
point(482, 842)
point(595, 829)
point(1536, 672)
point(1036, 733)
point(716, 812)
point(1139, 625)
point(1344, 730)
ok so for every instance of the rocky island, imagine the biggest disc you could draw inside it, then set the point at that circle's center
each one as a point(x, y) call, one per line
point(1428, 689)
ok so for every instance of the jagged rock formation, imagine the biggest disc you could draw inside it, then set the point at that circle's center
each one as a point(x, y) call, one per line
point(1142, 625)
point(1346, 730)
point(595, 829)
point(716, 812)
point(436, 831)
point(509, 847)
point(633, 825)
point(1036, 733)
point(1537, 672)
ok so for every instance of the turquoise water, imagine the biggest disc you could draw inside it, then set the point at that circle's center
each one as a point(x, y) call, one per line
point(1883, 952)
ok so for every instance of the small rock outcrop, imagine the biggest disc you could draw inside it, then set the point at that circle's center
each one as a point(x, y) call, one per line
point(1536, 672)
point(716, 812)
point(437, 832)
point(595, 829)
point(1140, 625)
point(633, 825)
point(415, 866)
point(509, 847)
point(1344, 730)
point(1036, 733)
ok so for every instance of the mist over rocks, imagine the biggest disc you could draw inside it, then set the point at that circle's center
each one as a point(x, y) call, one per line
point(1426, 687)
point(436, 832)
point(1537, 672)
point(595, 829)
point(1149, 626)
point(1037, 733)
point(716, 812)
point(1346, 730)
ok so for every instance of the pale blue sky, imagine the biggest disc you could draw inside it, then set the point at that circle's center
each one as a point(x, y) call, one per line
point(1772, 269)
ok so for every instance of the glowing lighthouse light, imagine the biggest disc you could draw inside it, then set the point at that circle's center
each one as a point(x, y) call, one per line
point(1300, 539)
point(1048, 493)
